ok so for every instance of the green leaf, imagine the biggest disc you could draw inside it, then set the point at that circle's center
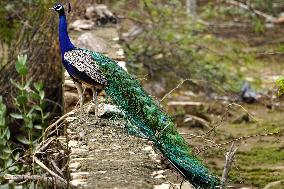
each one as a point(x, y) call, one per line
point(2, 142)
point(17, 156)
point(9, 162)
point(21, 68)
point(38, 86)
point(28, 83)
point(22, 99)
point(280, 83)
point(41, 94)
point(39, 127)
point(37, 107)
point(46, 115)
point(8, 134)
point(4, 156)
point(13, 169)
point(35, 96)
point(7, 150)
point(16, 116)
point(22, 139)
point(22, 59)
point(17, 85)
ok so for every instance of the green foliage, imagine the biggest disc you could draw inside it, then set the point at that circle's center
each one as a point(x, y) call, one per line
point(30, 105)
point(258, 25)
point(7, 157)
point(172, 46)
point(280, 83)
point(15, 14)
point(249, 171)
point(30, 116)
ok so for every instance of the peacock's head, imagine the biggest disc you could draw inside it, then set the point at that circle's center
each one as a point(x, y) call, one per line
point(58, 8)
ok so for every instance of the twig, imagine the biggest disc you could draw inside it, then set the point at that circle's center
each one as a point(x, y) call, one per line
point(182, 81)
point(257, 12)
point(59, 120)
point(37, 161)
point(229, 160)
point(43, 146)
point(56, 168)
point(50, 181)
point(240, 138)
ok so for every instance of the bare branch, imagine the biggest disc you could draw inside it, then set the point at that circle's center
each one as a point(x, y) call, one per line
point(59, 120)
point(57, 177)
point(229, 160)
point(49, 181)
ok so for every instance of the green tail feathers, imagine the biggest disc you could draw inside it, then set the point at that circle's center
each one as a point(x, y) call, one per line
point(151, 122)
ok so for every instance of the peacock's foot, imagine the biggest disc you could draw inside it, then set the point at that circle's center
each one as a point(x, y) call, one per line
point(93, 109)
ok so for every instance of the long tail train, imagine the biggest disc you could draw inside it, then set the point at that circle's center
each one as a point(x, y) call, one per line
point(147, 117)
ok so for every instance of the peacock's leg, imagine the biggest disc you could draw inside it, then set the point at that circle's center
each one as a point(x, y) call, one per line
point(95, 101)
point(81, 95)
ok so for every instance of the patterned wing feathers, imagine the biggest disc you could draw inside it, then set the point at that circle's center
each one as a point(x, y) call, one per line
point(84, 62)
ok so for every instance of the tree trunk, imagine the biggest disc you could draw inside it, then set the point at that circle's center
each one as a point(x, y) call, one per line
point(191, 7)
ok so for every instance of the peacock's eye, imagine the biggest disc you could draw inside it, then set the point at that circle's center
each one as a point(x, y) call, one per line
point(58, 7)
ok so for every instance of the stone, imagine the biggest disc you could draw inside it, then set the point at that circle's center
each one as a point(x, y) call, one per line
point(79, 25)
point(90, 41)
point(122, 64)
point(105, 110)
point(70, 98)
point(78, 182)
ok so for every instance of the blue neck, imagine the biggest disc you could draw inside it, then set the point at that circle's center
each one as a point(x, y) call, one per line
point(64, 40)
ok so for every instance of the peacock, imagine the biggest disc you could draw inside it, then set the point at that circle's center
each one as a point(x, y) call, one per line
point(141, 111)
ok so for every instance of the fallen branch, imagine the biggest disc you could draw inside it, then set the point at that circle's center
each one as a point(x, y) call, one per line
point(44, 144)
point(56, 168)
point(229, 160)
point(57, 177)
point(257, 12)
point(49, 181)
point(203, 122)
point(59, 120)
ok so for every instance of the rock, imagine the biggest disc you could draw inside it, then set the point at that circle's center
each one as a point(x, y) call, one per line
point(80, 25)
point(105, 110)
point(122, 64)
point(101, 13)
point(79, 175)
point(247, 95)
point(73, 143)
point(90, 41)
point(120, 55)
point(70, 98)
point(78, 182)
point(74, 166)
point(240, 118)
point(69, 85)
point(132, 33)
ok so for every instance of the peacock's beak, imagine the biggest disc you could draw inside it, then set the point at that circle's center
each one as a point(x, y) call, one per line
point(51, 8)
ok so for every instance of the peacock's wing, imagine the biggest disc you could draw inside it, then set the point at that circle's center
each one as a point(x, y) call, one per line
point(152, 122)
point(84, 62)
